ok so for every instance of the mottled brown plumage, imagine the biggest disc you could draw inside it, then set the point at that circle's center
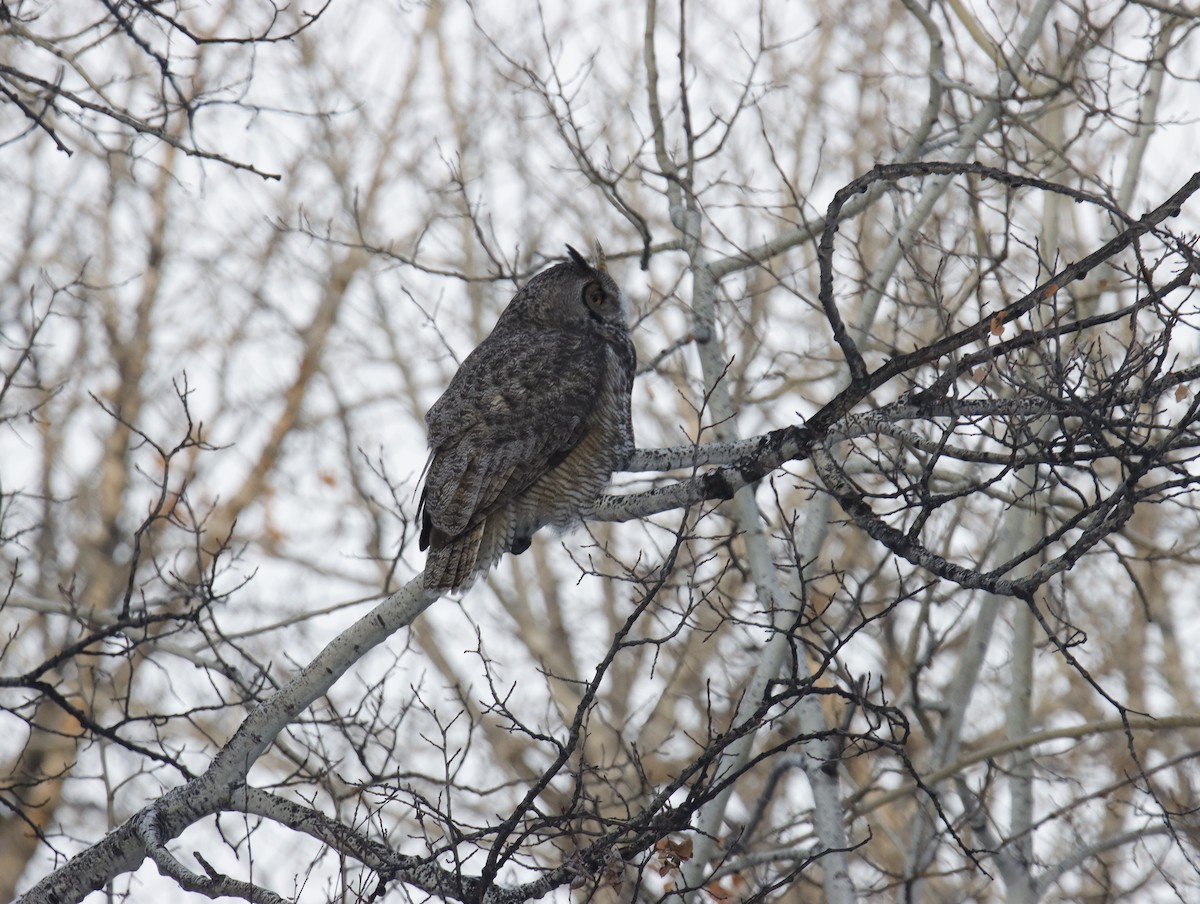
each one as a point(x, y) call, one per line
point(532, 426)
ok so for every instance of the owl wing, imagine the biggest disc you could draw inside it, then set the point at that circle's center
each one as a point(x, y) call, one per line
point(516, 408)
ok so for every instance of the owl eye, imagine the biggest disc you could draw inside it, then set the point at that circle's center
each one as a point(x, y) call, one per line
point(593, 297)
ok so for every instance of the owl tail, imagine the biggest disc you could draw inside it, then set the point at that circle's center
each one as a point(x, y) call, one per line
point(454, 565)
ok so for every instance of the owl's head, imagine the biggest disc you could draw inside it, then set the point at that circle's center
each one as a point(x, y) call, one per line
point(572, 292)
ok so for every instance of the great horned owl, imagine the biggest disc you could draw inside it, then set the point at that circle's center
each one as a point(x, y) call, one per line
point(533, 424)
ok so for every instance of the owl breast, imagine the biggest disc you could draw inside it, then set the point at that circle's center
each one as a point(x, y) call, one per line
point(560, 497)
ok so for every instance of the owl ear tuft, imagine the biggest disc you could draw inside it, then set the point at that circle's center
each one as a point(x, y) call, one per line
point(601, 262)
point(578, 260)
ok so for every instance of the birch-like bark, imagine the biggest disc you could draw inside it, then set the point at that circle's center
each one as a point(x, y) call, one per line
point(127, 846)
point(920, 853)
point(818, 754)
point(1015, 859)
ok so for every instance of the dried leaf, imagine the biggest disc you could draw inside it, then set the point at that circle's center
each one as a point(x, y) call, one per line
point(669, 853)
point(613, 874)
point(717, 893)
point(727, 889)
point(998, 324)
point(1181, 393)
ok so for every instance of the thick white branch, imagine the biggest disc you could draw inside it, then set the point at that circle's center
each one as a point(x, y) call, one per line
point(148, 831)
